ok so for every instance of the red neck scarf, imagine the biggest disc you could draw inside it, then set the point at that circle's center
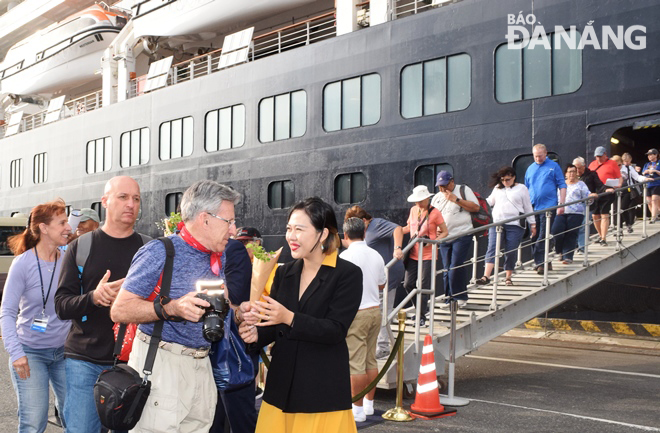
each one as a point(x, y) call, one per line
point(216, 258)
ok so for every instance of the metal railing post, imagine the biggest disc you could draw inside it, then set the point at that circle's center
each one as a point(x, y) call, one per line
point(546, 256)
point(307, 33)
point(434, 276)
point(450, 399)
point(175, 74)
point(496, 273)
point(418, 296)
point(474, 259)
point(209, 64)
point(619, 233)
point(644, 206)
point(279, 42)
point(191, 72)
point(587, 223)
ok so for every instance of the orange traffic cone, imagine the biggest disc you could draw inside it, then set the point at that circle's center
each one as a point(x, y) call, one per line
point(427, 401)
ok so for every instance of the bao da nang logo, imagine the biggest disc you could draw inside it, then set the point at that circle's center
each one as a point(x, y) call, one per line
point(518, 36)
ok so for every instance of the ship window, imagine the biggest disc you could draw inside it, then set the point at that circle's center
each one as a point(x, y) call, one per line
point(350, 188)
point(351, 103)
point(436, 86)
point(16, 173)
point(426, 174)
point(134, 147)
point(172, 202)
point(522, 162)
point(225, 128)
point(99, 155)
point(39, 168)
point(176, 138)
point(281, 194)
point(100, 210)
point(283, 116)
point(536, 72)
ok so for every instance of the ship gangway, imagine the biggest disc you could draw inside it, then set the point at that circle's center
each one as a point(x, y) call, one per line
point(496, 308)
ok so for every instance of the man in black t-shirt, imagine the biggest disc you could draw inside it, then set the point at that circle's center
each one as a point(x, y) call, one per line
point(85, 299)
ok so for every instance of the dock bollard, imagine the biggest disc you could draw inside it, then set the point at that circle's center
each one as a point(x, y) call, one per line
point(398, 413)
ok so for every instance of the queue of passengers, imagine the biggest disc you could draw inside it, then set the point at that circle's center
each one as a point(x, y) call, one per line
point(323, 310)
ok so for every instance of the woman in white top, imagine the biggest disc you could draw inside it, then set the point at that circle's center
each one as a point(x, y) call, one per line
point(508, 199)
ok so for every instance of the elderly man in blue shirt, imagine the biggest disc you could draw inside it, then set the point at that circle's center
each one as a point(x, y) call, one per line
point(543, 179)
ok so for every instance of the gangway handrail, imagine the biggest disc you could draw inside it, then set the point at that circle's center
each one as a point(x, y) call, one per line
point(418, 292)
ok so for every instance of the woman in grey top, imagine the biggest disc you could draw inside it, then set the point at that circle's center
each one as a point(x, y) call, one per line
point(32, 333)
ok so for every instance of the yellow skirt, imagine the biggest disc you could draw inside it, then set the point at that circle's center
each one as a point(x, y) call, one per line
point(273, 420)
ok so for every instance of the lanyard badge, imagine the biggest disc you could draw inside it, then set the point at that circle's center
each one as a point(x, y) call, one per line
point(40, 322)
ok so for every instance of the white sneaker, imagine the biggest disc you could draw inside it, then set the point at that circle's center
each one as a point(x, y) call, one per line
point(358, 414)
point(368, 406)
point(461, 303)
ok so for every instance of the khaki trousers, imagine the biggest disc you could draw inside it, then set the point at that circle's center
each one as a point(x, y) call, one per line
point(183, 393)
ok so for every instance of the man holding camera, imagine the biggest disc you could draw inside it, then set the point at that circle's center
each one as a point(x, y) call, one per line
point(183, 393)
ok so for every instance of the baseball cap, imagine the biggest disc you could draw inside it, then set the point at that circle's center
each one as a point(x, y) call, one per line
point(87, 213)
point(652, 152)
point(600, 151)
point(444, 177)
point(247, 234)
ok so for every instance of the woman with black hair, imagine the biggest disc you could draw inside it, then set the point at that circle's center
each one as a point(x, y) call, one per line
point(32, 333)
point(312, 304)
point(508, 200)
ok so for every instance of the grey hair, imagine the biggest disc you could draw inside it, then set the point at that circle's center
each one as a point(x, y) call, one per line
point(206, 196)
point(579, 161)
point(354, 228)
point(540, 146)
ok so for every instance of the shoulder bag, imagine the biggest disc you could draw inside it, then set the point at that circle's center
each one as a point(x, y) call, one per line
point(232, 366)
point(120, 393)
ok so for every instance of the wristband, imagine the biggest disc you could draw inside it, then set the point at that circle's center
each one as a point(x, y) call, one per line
point(159, 304)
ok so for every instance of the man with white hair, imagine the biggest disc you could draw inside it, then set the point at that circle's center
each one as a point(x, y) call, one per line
point(543, 178)
point(183, 393)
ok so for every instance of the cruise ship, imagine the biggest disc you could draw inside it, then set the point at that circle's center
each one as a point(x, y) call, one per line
point(356, 102)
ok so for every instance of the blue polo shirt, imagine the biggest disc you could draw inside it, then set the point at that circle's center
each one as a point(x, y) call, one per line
point(190, 265)
point(543, 180)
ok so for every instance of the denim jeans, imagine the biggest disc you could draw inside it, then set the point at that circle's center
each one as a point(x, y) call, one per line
point(564, 229)
point(46, 366)
point(586, 220)
point(510, 240)
point(538, 247)
point(454, 254)
point(79, 410)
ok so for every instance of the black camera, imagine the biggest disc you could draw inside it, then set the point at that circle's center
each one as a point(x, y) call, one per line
point(213, 328)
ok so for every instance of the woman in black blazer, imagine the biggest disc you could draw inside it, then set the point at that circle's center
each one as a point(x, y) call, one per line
point(312, 304)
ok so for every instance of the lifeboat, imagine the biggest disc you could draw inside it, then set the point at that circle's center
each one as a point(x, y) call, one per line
point(65, 55)
point(193, 17)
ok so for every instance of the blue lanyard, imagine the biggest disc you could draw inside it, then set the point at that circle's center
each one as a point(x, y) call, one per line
point(44, 296)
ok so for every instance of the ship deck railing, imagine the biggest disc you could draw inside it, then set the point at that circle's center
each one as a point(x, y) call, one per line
point(299, 34)
point(494, 308)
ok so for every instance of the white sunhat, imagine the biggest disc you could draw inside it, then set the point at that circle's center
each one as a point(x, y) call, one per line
point(420, 193)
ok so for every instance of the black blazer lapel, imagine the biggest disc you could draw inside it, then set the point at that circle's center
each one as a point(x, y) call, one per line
point(316, 283)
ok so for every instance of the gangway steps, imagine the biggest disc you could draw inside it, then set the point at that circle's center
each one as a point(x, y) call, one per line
point(477, 324)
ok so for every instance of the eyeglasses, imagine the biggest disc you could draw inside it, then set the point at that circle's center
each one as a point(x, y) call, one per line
point(230, 222)
point(506, 179)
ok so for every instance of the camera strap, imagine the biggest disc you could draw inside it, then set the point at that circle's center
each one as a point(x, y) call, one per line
point(158, 327)
point(164, 292)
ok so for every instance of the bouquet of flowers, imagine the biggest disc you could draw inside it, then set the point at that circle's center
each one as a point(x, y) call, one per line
point(169, 224)
point(263, 270)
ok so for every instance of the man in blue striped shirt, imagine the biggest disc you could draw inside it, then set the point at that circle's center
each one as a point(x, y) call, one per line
point(543, 178)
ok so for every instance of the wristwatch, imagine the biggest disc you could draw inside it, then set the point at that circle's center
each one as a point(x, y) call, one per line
point(398, 247)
